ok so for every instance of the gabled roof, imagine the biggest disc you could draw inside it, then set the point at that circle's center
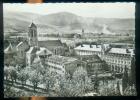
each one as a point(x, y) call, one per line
point(43, 51)
point(9, 49)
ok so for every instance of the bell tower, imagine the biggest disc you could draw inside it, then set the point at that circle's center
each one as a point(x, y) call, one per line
point(32, 35)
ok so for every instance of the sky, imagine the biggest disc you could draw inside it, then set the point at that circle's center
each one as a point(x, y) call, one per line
point(106, 10)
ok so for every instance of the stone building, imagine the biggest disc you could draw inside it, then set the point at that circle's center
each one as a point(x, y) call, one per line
point(88, 49)
point(32, 35)
point(34, 51)
point(116, 58)
point(61, 64)
point(55, 46)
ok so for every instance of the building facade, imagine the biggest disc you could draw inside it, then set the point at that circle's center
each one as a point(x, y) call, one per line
point(116, 58)
point(61, 64)
point(88, 49)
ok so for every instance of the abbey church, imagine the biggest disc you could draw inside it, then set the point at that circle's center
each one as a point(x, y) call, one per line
point(28, 50)
point(34, 51)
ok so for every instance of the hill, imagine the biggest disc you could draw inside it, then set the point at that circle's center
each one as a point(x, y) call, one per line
point(64, 22)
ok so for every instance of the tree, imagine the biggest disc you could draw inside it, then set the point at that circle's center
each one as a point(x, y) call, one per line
point(130, 91)
point(125, 79)
point(111, 91)
point(23, 76)
point(80, 74)
point(39, 68)
point(6, 72)
point(46, 81)
point(13, 73)
point(132, 80)
point(68, 88)
point(34, 79)
point(96, 83)
point(80, 80)
point(12, 92)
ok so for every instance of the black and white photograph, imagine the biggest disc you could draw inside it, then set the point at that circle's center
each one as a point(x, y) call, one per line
point(69, 49)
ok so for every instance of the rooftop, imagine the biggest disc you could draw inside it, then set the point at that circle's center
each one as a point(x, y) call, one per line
point(50, 44)
point(88, 47)
point(9, 49)
point(121, 51)
point(43, 51)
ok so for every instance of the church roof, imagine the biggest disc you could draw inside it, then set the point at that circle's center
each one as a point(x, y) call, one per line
point(32, 25)
point(50, 44)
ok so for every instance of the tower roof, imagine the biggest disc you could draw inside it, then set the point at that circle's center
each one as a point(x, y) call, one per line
point(32, 25)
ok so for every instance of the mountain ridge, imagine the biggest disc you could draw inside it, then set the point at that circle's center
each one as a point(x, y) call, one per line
point(64, 22)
